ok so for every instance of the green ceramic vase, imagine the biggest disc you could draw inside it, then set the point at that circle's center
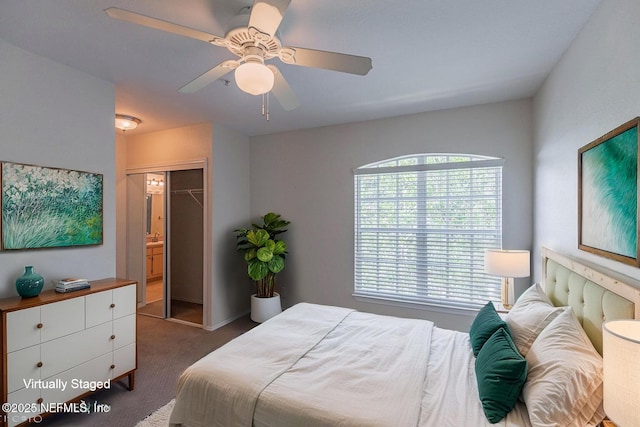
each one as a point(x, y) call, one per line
point(30, 283)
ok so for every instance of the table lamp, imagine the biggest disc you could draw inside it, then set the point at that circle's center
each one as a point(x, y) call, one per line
point(507, 264)
point(621, 368)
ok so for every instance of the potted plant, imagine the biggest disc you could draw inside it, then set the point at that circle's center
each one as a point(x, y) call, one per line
point(264, 255)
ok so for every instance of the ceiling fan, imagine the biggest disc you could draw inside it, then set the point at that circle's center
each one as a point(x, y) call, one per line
point(254, 43)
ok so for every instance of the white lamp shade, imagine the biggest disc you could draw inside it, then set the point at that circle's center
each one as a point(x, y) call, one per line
point(621, 367)
point(254, 78)
point(506, 263)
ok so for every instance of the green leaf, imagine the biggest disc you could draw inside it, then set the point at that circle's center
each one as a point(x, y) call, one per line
point(257, 270)
point(257, 237)
point(250, 254)
point(279, 248)
point(269, 218)
point(280, 224)
point(270, 244)
point(264, 254)
point(276, 264)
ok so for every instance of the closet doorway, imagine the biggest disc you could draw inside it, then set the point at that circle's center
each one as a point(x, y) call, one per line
point(166, 251)
point(186, 236)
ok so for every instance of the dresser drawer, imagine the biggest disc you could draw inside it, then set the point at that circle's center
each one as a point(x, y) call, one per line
point(66, 352)
point(22, 328)
point(98, 308)
point(62, 318)
point(124, 331)
point(105, 306)
point(125, 301)
point(23, 396)
point(22, 365)
point(98, 369)
point(124, 360)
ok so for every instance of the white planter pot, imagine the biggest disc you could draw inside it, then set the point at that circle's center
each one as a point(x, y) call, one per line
point(263, 309)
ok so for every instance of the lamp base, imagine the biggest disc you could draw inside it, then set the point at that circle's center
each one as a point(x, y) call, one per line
point(507, 292)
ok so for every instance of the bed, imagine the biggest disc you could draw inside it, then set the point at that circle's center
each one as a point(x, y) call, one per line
point(317, 365)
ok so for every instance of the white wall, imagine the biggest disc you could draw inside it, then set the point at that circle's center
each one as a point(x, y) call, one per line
point(593, 89)
point(53, 115)
point(169, 146)
point(307, 177)
point(231, 188)
point(121, 203)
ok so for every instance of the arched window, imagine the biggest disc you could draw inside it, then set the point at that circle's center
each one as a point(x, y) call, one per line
point(422, 224)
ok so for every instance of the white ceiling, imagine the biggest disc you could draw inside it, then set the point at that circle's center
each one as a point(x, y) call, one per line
point(427, 55)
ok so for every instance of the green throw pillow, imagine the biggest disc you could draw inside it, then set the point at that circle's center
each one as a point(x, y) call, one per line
point(501, 372)
point(484, 325)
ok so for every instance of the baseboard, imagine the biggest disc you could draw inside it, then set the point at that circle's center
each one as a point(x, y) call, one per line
point(225, 322)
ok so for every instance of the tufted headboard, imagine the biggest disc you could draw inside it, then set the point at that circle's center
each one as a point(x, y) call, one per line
point(595, 296)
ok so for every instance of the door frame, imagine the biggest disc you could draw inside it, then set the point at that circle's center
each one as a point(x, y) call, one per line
point(201, 163)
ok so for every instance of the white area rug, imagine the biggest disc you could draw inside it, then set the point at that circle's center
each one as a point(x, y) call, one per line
point(160, 418)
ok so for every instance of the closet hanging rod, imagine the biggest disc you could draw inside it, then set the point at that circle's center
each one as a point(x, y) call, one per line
point(191, 193)
point(188, 190)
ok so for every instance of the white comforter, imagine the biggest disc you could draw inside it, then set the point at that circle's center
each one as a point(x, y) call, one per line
point(317, 365)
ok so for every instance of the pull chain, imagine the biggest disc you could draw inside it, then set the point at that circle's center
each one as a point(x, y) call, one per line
point(265, 105)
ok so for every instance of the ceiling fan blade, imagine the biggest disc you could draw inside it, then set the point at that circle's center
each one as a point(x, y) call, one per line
point(282, 91)
point(327, 60)
point(266, 15)
point(158, 24)
point(210, 76)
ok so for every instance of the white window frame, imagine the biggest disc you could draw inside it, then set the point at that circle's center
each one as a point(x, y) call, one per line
point(383, 273)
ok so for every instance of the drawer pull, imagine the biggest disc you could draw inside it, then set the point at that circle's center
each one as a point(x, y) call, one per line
point(39, 325)
point(113, 337)
point(39, 365)
point(112, 305)
point(39, 401)
point(113, 366)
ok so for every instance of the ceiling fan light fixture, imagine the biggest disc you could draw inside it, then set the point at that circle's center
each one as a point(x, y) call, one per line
point(254, 77)
point(124, 122)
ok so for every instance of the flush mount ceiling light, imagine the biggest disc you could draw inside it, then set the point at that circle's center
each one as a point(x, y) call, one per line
point(124, 122)
point(253, 76)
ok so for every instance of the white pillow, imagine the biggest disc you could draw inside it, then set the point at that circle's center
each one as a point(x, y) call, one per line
point(531, 313)
point(564, 383)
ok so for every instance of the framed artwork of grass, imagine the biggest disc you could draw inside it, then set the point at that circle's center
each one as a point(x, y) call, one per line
point(50, 208)
point(608, 195)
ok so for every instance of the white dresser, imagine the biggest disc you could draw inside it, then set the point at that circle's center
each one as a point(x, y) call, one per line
point(58, 347)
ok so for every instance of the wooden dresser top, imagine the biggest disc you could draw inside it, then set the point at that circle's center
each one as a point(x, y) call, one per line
point(50, 295)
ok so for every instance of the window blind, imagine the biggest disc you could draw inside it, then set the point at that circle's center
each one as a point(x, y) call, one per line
point(422, 224)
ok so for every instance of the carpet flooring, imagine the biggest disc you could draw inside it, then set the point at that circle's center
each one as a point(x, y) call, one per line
point(165, 350)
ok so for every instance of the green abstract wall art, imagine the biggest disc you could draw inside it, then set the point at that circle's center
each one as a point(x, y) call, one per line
point(608, 194)
point(50, 208)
